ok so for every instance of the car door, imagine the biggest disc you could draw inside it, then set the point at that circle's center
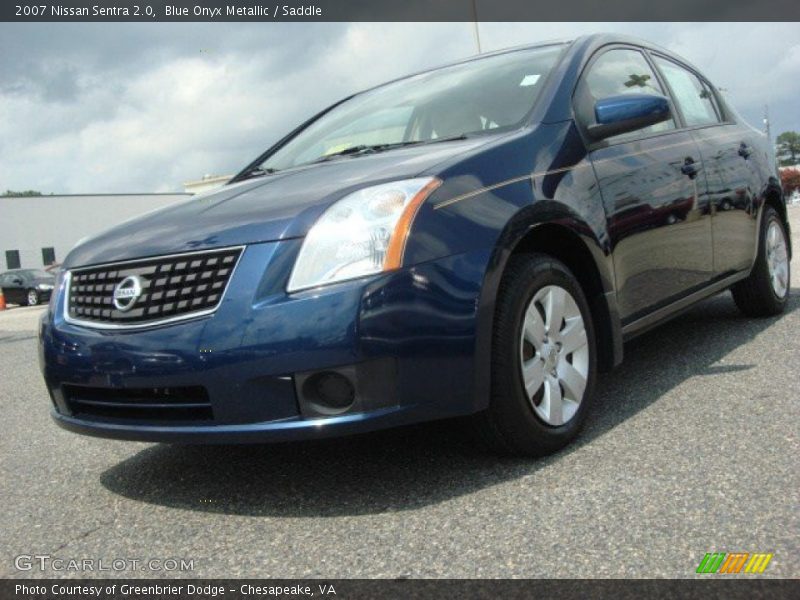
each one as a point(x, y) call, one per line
point(732, 170)
point(656, 205)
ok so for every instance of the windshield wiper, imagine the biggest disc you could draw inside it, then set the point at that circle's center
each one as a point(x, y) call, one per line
point(357, 150)
point(361, 149)
point(256, 172)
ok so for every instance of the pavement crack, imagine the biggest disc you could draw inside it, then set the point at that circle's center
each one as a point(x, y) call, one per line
point(82, 535)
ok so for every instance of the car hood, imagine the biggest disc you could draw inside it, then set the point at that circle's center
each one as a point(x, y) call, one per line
point(273, 207)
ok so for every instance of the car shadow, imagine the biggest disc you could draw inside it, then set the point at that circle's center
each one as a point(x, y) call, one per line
point(412, 467)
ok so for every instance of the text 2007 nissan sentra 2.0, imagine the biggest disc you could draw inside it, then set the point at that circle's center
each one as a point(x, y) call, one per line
point(478, 239)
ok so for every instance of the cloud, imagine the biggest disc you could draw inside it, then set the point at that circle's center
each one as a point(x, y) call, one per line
point(139, 108)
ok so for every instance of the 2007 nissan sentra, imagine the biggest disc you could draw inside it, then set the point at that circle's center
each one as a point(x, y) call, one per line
point(478, 239)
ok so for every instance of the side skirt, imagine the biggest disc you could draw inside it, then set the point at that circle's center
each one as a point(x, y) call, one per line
point(660, 315)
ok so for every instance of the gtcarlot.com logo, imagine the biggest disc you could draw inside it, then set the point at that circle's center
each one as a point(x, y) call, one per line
point(47, 562)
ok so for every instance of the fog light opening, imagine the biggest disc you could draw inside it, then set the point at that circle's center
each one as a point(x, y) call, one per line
point(329, 391)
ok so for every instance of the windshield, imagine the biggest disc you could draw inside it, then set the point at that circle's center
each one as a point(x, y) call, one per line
point(489, 94)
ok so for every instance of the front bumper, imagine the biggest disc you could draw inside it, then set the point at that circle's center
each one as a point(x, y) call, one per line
point(406, 339)
point(241, 433)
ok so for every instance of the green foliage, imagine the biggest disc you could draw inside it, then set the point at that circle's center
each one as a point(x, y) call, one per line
point(788, 150)
point(25, 193)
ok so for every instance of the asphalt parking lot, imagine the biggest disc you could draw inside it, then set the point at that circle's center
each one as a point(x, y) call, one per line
point(692, 448)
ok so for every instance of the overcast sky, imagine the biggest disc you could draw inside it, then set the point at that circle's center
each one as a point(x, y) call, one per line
point(92, 108)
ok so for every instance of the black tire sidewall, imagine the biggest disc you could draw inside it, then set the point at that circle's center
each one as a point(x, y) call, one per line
point(754, 295)
point(513, 412)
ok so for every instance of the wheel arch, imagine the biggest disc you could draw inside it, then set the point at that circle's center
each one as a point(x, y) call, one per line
point(551, 228)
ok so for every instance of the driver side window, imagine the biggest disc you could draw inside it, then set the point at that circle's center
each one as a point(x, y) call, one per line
point(616, 72)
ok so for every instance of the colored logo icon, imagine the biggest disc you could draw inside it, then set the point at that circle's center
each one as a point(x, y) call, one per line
point(734, 562)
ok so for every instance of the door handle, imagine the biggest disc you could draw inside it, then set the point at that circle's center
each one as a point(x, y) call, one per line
point(744, 150)
point(690, 167)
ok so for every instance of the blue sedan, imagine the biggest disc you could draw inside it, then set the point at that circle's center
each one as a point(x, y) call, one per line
point(478, 239)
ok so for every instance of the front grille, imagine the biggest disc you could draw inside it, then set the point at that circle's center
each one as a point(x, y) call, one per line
point(177, 286)
point(166, 404)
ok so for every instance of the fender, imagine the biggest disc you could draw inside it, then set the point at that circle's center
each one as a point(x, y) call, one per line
point(774, 196)
point(545, 216)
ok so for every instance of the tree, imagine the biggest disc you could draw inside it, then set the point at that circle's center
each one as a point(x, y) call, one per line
point(789, 148)
point(25, 193)
point(790, 180)
point(638, 81)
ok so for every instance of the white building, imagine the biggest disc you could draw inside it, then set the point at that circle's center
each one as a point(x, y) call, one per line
point(206, 184)
point(37, 231)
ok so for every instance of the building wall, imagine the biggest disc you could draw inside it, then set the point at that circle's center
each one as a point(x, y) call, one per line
point(29, 224)
point(206, 184)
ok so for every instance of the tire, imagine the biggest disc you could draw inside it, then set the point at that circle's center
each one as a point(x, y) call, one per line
point(515, 423)
point(32, 297)
point(766, 290)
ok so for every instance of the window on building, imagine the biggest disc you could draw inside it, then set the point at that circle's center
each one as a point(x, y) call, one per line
point(48, 256)
point(12, 259)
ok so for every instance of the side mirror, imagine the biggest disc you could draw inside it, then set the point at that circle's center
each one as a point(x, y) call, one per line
point(628, 112)
point(17, 281)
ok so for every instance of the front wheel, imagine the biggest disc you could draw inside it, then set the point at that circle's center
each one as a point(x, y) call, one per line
point(766, 290)
point(543, 359)
point(32, 297)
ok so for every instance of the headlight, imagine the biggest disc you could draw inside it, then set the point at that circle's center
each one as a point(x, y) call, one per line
point(45, 286)
point(363, 233)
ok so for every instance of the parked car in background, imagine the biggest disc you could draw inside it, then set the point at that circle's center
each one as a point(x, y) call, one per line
point(27, 286)
point(478, 239)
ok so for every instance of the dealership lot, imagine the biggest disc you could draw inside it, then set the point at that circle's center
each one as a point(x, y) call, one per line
point(692, 448)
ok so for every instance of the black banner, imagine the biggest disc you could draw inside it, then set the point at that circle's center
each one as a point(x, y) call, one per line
point(357, 589)
point(398, 10)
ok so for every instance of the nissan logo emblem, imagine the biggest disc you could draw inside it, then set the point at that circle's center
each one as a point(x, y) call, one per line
point(127, 292)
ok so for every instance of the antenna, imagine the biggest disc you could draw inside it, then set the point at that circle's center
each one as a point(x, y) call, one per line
point(475, 25)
